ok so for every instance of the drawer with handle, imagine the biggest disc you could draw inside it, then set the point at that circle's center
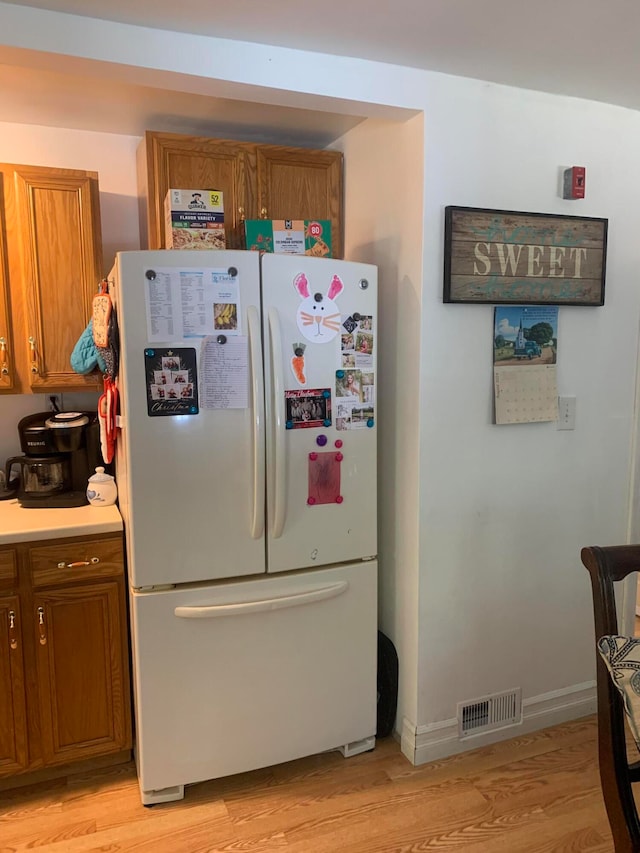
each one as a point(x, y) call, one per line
point(87, 559)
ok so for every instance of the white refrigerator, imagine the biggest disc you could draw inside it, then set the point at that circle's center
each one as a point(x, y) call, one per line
point(246, 469)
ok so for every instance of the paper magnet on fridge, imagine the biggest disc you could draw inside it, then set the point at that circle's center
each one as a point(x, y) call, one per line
point(297, 363)
point(324, 478)
point(318, 316)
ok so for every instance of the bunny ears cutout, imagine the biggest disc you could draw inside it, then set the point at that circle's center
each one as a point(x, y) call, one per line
point(302, 286)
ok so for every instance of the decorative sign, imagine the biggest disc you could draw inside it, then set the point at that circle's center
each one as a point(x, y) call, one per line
point(172, 383)
point(502, 256)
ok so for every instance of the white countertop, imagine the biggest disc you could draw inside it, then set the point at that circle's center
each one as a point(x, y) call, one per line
point(18, 524)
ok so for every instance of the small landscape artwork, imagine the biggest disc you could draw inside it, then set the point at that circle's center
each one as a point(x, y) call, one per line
point(525, 334)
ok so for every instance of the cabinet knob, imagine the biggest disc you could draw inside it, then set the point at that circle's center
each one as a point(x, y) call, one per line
point(241, 214)
point(13, 631)
point(263, 213)
point(42, 631)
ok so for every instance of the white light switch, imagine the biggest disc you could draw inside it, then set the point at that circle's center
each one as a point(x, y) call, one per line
point(566, 413)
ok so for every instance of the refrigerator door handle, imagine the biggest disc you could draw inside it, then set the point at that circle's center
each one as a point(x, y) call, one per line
point(279, 497)
point(257, 391)
point(244, 607)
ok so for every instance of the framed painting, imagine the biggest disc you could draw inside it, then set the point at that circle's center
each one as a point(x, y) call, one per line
point(503, 256)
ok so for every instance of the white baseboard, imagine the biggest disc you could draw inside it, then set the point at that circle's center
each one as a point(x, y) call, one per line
point(421, 744)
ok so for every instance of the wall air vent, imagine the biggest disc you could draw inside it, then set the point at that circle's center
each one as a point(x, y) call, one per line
point(495, 711)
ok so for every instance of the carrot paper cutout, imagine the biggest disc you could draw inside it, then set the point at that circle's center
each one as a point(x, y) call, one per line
point(297, 363)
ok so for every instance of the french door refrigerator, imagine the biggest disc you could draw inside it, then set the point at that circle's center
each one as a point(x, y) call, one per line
point(246, 468)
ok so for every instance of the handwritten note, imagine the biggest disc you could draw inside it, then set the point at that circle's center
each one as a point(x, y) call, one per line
point(224, 373)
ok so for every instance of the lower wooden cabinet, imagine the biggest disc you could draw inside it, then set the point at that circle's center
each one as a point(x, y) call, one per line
point(64, 662)
point(81, 683)
point(13, 720)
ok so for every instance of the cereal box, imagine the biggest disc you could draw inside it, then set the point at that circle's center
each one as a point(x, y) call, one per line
point(194, 219)
point(290, 236)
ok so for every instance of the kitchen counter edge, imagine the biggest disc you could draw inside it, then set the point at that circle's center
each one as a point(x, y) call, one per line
point(18, 524)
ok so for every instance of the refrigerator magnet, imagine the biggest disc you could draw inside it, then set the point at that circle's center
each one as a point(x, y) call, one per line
point(318, 316)
point(308, 408)
point(297, 363)
point(355, 399)
point(171, 382)
point(324, 478)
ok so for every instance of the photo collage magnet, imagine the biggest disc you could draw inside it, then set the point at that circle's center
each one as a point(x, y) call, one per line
point(355, 380)
point(171, 381)
point(308, 408)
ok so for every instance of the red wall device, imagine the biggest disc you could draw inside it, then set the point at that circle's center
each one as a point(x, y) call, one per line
point(574, 182)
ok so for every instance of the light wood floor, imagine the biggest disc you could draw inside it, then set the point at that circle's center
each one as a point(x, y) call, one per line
point(539, 793)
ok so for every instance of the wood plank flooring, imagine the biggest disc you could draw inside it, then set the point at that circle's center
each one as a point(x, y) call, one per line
point(538, 793)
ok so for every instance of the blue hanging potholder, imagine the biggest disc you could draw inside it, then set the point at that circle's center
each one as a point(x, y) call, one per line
point(85, 356)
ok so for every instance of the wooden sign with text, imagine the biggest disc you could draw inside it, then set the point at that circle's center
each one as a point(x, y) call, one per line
point(502, 256)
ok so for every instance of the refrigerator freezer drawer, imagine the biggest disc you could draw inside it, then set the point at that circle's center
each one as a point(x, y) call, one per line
point(248, 674)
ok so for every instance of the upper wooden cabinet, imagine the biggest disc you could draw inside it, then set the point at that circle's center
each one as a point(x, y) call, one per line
point(257, 182)
point(50, 266)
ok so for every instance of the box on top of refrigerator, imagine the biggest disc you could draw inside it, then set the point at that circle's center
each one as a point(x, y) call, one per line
point(194, 219)
point(290, 236)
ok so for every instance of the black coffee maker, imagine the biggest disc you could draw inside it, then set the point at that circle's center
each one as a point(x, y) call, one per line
point(61, 451)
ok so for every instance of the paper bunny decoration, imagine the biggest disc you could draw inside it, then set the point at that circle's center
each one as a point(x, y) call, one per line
point(318, 316)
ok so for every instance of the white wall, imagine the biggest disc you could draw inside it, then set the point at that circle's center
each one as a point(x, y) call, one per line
point(504, 510)
point(383, 201)
point(112, 156)
point(492, 554)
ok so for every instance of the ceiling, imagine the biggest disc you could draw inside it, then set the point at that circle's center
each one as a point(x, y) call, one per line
point(584, 48)
point(44, 97)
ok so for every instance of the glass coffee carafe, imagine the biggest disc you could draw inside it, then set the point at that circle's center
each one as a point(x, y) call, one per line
point(40, 476)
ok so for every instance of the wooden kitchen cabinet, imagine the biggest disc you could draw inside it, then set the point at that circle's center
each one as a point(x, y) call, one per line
point(81, 683)
point(257, 181)
point(69, 690)
point(13, 720)
point(50, 266)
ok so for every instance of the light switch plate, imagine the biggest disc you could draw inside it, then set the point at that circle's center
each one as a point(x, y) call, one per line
point(566, 413)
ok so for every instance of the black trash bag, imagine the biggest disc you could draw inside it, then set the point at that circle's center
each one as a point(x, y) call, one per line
point(387, 686)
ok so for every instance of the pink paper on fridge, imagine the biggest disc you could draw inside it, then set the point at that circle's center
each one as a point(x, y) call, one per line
point(324, 478)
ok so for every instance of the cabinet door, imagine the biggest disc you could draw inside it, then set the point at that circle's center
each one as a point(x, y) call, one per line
point(82, 672)
point(171, 161)
point(7, 364)
point(58, 228)
point(13, 719)
point(300, 183)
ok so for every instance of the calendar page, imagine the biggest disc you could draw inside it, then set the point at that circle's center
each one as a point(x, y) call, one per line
point(526, 395)
point(525, 347)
